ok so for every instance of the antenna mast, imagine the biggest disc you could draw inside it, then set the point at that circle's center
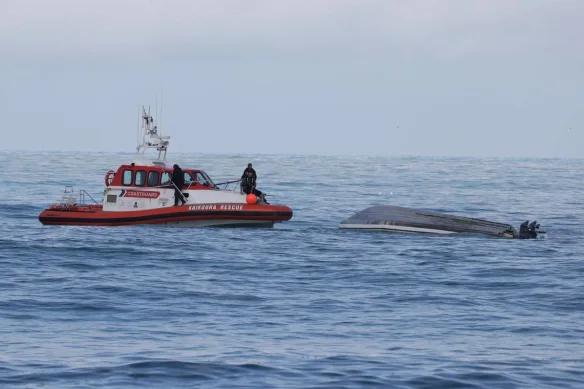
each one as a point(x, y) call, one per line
point(151, 138)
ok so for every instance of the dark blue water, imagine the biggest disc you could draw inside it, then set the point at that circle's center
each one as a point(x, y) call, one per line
point(303, 304)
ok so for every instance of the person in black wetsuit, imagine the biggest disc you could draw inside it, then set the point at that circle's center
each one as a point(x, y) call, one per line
point(178, 179)
point(249, 181)
point(254, 176)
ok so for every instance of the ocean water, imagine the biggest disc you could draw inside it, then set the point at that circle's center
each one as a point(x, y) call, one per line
point(303, 304)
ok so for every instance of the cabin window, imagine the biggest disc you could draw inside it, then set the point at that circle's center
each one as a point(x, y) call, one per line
point(165, 178)
point(127, 178)
point(153, 178)
point(203, 179)
point(208, 180)
point(140, 178)
point(188, 178)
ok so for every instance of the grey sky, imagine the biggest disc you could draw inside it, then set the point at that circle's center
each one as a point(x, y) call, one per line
point(487, 78)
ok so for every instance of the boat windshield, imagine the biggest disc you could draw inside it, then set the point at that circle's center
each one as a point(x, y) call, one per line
point(208, 179)
point(202, 178)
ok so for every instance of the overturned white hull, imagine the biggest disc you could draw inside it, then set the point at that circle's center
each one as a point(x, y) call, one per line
point(400, 219)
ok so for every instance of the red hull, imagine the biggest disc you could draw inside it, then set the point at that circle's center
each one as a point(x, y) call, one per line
point(202, 214)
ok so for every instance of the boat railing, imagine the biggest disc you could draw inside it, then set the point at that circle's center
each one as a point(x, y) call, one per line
point(84, 196)
point(182, 195)
point(232, 186)
point(70, 198)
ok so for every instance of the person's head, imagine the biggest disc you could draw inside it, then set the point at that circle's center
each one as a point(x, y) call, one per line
point(176, 166)
point(249, 165)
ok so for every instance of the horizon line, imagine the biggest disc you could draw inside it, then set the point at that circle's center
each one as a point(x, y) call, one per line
point(310, 154)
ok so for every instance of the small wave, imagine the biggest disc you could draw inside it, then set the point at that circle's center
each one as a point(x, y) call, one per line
point(221, 297)
point(436, 382)
point(19, 211)
point(171, 373)
point(33, 305)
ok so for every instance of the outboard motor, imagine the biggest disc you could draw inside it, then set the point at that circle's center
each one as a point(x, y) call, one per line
point(529, 230)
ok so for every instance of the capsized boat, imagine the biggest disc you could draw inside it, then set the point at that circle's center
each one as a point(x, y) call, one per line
point(142, 193)
point(400, 219)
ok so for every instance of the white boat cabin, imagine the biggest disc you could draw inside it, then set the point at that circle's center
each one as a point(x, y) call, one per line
point(141, 186)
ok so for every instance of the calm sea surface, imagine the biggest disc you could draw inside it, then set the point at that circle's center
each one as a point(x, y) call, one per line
point(303, 304)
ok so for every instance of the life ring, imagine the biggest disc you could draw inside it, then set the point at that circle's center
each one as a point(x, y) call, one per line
point(109, 177)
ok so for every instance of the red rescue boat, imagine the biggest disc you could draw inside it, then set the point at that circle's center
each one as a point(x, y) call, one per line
point(143, 193)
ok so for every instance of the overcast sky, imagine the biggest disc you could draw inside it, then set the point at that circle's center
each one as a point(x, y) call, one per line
point(454, 78)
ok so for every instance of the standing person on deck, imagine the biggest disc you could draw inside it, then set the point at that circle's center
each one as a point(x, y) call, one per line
point(178, 179)
point(248, 179)
point(251, 170)
point(247, 183)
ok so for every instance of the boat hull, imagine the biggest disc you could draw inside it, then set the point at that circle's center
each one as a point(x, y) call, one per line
point(194, 215)
point(400, 219)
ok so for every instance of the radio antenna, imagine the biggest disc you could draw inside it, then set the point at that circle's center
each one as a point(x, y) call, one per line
point(161, 107)
point(151, 137)
point(138, 130)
